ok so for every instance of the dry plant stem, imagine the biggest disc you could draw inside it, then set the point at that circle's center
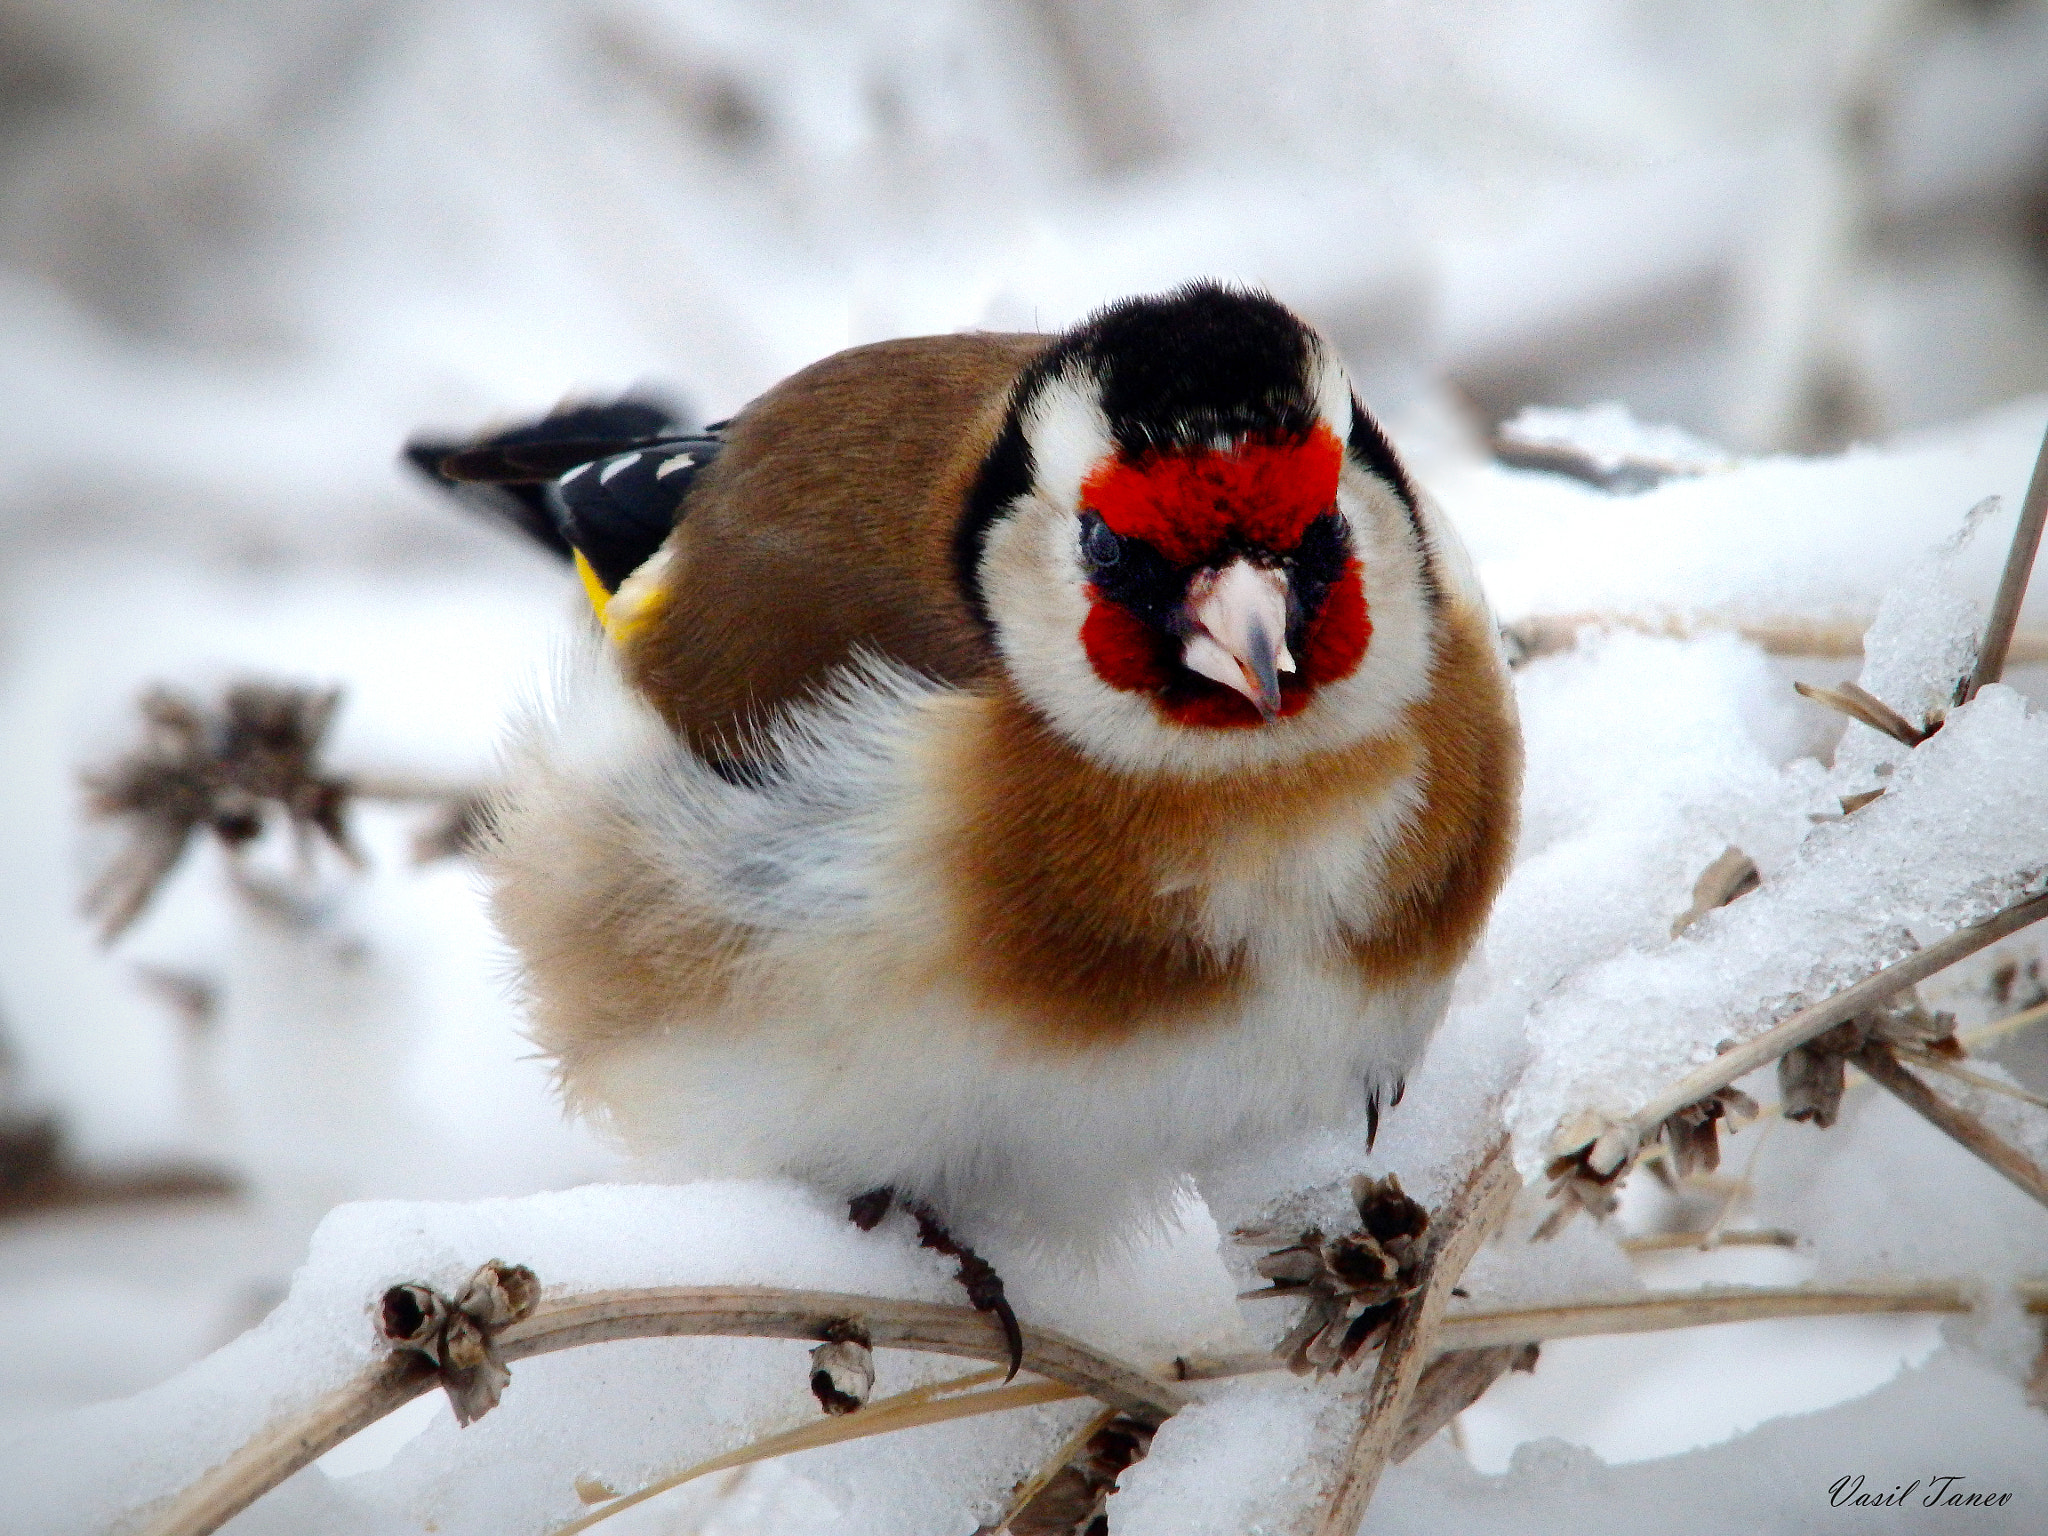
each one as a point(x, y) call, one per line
point(1882, 1064)
point(908, 1410)
point(1054, 1464)
point(1453, 1382)
point(765, 1312)
point(1695, 1309)
point(1646, 1314)
point(275, 1455)
point(1974, 1079)
point(2011, 1024)
point(2012, 582)
point(283, 1449)
point(599, 1316)
point(1619, 1142)
point(1663, 1242)
point(1548, 634)
point(1456, 1234)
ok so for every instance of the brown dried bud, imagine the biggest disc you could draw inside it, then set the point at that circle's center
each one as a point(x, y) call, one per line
point(1810, 1084)
point(412, 1317)
point(1357, 1262)
point(843, 1368)
point(1293, 1266)
point(1352, 1285)
point(1386, 1210)
point(1693, 1133)
point(460, 1337)
point(500, 1293)
point(1575, 1187)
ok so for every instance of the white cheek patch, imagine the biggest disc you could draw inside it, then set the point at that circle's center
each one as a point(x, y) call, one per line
point(1333, 392)
point(1068, 435)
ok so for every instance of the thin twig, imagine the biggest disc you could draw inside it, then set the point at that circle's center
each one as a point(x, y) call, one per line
point(935, 1404)
point(1744, 1185)
point(1456, 1233)
point(1032, 1486)
point(1665, 1242)
point(567, 1322)
point(1615, 1145)
point(2012, 582)
point(1963, 1074)
point(2011, 1024)
point(1882, 1064)
point(1480, 1328)
point(1548, 634)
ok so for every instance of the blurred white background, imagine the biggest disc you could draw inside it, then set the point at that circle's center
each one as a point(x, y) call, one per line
point(248, 246)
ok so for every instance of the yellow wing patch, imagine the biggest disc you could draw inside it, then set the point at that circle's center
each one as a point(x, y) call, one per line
point(600, 600)
point(638, 599)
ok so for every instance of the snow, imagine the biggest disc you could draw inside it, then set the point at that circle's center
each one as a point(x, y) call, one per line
point(1950, 1417)
point(1961, 831)
point(612, 1412)
point(1609, 437)
point(1817, 538)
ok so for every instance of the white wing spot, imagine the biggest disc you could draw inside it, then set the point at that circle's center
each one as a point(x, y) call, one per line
point(572, 474)
point(670, 466)
point(622, 462)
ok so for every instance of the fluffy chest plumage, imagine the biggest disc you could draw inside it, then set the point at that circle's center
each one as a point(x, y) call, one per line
point(1089, 905)
point(936, 948)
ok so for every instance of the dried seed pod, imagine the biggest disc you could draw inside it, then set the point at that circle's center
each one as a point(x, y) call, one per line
point(460, 1337)
point(1693, 1133)
point(1575, 1187)
point(1729, 878)
point(1389, 1215)
point(500, 1293)
point(214, 768)
point(1810, 1084)
point(1292, 1266)
point(843, 1368)
point(1358, 1261)
point(412, 1317)
point(1352, 1285)
point(1071, 1501)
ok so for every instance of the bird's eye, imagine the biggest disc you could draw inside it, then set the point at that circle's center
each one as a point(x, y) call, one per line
point(1101, 546)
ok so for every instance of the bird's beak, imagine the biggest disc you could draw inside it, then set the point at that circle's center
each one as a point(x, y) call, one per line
point(1236, 631)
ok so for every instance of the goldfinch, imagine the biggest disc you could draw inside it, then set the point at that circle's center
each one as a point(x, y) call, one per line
point(1032, 770)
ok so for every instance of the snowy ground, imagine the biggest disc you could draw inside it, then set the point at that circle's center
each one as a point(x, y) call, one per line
point(246, 252)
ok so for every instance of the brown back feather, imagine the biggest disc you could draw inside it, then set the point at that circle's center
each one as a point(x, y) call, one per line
point(826, 527)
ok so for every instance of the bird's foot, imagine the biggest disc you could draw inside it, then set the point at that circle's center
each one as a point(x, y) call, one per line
point(977, 1277)
point(866, 1211)
point(983, 1285)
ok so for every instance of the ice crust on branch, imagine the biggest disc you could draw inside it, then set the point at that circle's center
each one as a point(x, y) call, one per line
point(1961, 831)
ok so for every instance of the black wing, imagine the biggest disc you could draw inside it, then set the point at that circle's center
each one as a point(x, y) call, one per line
point(604, 480)
point(617, 510)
